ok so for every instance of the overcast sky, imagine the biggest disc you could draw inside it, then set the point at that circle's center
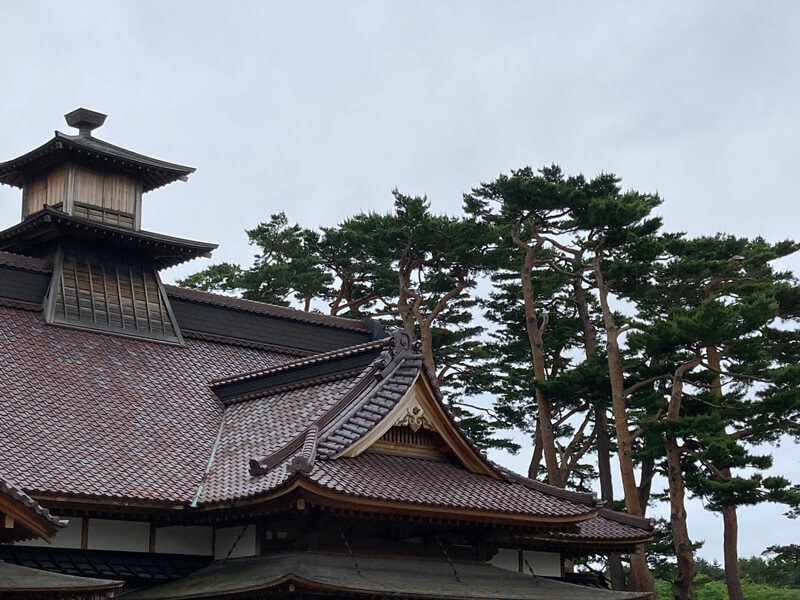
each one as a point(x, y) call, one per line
point(320, 109)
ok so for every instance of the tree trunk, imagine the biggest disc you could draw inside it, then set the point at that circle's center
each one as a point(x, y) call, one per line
point(639, 569)
point(619, 403)
point(680, 532)
point(603, 440)
point(730, 544)
point(539, 373)
point(646, 483)
point(536, 459)
point(731, 538)
point(426, 339)
point(615, 570)
point(677, 492)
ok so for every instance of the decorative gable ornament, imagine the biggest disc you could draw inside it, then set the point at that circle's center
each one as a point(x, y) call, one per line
point(415, 418)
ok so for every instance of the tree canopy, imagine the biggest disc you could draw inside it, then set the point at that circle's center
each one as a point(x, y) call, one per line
point(559, 306)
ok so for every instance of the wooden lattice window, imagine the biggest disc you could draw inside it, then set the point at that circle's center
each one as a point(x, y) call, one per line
point(110, 292)
point(406, 436)
point(402, 439)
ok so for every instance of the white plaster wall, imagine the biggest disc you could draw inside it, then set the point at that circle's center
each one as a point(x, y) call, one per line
point(185, 540)
point(68, 537)
point(506, 558)
point(547, 564)
point(131, 536)
point(225, 539)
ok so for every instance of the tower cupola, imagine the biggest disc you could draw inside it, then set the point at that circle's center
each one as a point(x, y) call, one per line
point(84, 176)
point(82, 210)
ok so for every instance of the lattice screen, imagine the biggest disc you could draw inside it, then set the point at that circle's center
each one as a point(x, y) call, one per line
point(405, 436)
point(114, 293)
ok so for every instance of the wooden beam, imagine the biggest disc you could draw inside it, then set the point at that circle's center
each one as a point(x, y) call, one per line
point(85, 533)
point(153, 530)
point(260, 536)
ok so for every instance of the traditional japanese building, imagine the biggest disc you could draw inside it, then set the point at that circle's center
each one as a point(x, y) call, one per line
point(194, 445)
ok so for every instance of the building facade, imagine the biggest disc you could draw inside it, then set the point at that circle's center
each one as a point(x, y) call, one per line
point(194, 445)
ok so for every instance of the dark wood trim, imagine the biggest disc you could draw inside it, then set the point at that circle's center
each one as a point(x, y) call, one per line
point(152, 540)
point(119, 333)
point(112, 211)
point(165, 299)
point(68, 179)
point(25, 193)
point(15, 514)
point(137, 204)
point(277, 378)
point(260, 536)
point(84, 533)
point(55, 281)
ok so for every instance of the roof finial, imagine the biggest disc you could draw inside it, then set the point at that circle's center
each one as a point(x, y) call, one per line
point(85, 120)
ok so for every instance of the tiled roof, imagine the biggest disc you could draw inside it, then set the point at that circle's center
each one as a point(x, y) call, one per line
point(260, 427)
point(153, 172)
point(22, 582)
point(437, 483)
point(371, 577)
point(266, 309)
point(49, 223)
point(329, 415)
point(610, 525)
point(90, 414)
point(98, 415)
point(138, 568)
point(18, 261)
point(30, 507)
point(362, 415)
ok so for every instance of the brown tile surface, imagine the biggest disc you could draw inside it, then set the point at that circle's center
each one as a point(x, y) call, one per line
point(436, 483)
point(259, 427)
point(608, 525)
point(102, 415)
point(28, 263)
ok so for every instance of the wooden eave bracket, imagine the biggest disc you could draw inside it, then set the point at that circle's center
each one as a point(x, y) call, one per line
point(19, 516)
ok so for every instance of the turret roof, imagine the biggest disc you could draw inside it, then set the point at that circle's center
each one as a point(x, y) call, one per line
point(92, 151)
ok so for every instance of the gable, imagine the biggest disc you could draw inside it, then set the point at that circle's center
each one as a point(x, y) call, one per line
point(418, 425)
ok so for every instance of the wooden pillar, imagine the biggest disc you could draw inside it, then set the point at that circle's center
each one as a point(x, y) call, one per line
point(85, 533)
point(260, 535)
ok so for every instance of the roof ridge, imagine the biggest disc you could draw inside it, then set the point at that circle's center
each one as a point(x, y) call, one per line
point(314, 359)
point(262, 465)
point(294, 385)
point(646, 523)
point(399, 346)
point(258, 307)
point(234, 341)
point(551, 490)
point(157, 162)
